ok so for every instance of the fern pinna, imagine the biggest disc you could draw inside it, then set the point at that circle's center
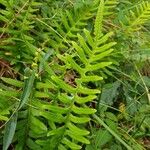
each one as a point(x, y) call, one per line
point(137, 16)
point(59, 122)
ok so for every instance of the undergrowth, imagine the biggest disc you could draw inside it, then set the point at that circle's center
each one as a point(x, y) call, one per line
point(74, 75)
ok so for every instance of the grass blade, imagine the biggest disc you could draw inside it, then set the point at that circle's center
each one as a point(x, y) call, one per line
point(9, 131)
point(30, 75)
point(112, 132)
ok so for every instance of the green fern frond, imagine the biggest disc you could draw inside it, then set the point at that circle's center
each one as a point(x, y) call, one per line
point(110, 5)
point(71, 23)
point(138, 16)
point(88, 59)
point(17, 21)
point(99, 19)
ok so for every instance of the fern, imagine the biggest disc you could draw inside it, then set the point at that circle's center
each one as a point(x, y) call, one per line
point(60, 124)
point(77, 102)
point(71, 23)
point(71, 101)
point(17, 23)
point(110, 5)
point(138, 16)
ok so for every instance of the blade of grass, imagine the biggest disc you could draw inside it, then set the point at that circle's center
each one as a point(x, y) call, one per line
point(9, 131)
point(100, 121)
point(28, 85)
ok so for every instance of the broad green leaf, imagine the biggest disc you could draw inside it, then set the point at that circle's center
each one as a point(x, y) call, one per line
point(111, 116)
point(109, 92)
point(90, 147)
point(101, 122)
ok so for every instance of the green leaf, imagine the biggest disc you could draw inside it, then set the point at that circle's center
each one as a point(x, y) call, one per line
point(80, 52)
point(102, 137)
point(10, 93)
point(13, 82)
point(81, 110)
point(9, 131)
point(71, 144)
point(101, 122)
point(77, 137)
point(98, 66)
point(63, 85)
point(28, 85)
point(77, 130)
point(79, 120)
point(88, 91)
point(48, 85)
point(65, 98)
point(91, 78)
point(109, 93)
point(56, 109)
point(82, 100)
point(99, 19)
point(52, 116)
point(101, 55)
point(58, 131)
point(39, 124)
point(61, 147)
point(32, 145)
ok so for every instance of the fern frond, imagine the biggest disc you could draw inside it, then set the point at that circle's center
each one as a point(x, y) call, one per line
point(99, 19)
point(58, 122)
point(71, 23)
point(17, 21)
point(78, 114)
point(110, 5)
point(138, 16)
